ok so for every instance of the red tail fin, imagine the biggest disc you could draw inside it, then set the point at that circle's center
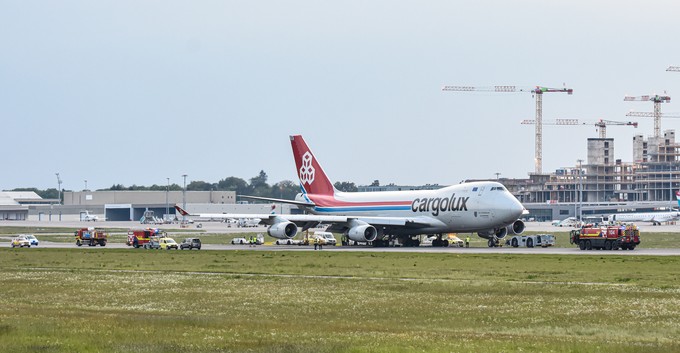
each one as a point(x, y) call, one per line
point(312, 177)
point(181, 211)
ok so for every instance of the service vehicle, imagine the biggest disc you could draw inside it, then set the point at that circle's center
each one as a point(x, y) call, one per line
point(20, 241)
point(325, 238)
point(445, 241)
point(529, 241)
point(138, 237)
point(32, 239)
point(190, 243)
point(288, 242)
point(91, 236)
point(153, 243)
point(624, 237)
point(259, 240)
point(168, 243)
point(569, 222)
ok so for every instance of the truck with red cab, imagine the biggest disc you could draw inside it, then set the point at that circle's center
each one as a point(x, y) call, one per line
point(624, 237)
point(140, 237)
point(91, 237)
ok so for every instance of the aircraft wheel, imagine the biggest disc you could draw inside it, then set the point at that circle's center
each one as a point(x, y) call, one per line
point(530, 243)
point(491, 243)
point(514, 243)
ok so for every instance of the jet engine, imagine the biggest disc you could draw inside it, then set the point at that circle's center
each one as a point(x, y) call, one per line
point(516, 228)
point(362, 232)
point(283, 230)
point(499, 233)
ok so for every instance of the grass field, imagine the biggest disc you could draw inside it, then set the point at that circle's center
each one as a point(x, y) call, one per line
point(108, 300)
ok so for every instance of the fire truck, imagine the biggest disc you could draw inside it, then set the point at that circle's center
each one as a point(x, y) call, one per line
point(624, 237)
point(140, 237)
point(91, 236)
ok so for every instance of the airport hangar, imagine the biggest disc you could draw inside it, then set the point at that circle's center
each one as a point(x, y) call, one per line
point(132, 205)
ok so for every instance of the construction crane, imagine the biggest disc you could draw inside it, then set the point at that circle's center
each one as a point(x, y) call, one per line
point(651, 114)
point(673, 68)
point(657, 99)
point(536, 91)
point(600, 124)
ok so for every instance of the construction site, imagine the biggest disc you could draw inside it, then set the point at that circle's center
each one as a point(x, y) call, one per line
point(601, 184)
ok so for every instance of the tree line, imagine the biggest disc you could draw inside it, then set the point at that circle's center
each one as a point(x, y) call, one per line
point(256, 186)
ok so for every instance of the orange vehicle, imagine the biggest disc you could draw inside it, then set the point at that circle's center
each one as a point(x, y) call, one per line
point(624, 237)
point(91, 236)
point(139, 237)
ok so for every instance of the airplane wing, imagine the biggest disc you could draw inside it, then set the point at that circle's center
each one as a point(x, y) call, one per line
point(292, 202)
point(339, 223)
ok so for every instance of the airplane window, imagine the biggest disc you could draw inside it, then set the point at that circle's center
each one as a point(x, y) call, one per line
point(474, 189)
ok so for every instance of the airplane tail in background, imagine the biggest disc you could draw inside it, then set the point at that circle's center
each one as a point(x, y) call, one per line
point(313, 180)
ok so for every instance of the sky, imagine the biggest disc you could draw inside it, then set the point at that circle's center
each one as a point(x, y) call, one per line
point(134, 92)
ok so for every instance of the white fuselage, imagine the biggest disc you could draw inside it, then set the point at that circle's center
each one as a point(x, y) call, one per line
point(655, 217)
point(467, 207)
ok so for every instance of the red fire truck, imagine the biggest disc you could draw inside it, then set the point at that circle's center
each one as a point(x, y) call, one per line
point(139, 237)
point(624, 237)
point(91, 237)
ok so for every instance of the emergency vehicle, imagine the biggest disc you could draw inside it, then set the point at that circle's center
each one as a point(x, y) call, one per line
point(140, 237)
point(624, 237)
point(91, 237)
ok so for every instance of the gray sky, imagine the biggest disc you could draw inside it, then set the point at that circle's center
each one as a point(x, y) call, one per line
point(133, 92)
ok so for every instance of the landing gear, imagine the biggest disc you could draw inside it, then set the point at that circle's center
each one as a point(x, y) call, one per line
point(439, 242)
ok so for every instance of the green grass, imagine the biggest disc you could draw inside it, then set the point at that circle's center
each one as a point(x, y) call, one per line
point(119, 300)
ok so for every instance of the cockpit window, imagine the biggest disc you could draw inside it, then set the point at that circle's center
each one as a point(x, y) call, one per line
point(474, 189)
point(500, 188)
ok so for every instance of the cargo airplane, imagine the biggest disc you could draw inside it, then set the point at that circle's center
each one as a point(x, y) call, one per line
point(655, 217)
point(486, 208)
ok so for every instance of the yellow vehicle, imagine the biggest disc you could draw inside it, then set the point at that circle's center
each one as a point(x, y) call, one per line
point(20, 241)
point(168, 243)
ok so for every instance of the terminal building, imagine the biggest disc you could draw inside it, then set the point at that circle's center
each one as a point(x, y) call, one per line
point(134, 205)
point(14, 205)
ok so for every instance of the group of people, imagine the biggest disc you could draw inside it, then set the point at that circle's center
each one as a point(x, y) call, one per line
point(317, 243)
point(252, 241)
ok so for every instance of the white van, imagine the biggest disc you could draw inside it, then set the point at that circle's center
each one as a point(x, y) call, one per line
point(326, 238)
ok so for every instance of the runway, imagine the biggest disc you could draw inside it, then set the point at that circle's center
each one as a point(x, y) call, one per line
point(218, 227)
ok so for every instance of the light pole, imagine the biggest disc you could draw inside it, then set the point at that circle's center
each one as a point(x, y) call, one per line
point(59, 187)
point(184, 197)
point(670, 182)
point(167, 204)
point(85, 185)
point(580, 190)
point(497, 175)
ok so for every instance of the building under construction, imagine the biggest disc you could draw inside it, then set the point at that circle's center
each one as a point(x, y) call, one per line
point(603, 184)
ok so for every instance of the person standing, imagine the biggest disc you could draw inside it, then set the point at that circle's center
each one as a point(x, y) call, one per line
point(467, 241)
point(316, 242)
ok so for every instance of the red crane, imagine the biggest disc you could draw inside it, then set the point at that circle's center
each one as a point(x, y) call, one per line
point(536, 91)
